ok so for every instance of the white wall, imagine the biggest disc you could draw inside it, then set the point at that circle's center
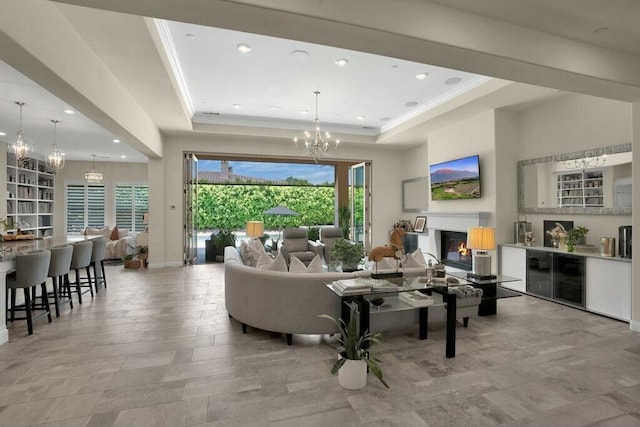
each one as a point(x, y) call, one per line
point(166, 177)
point(114, 173)
point(574, 123)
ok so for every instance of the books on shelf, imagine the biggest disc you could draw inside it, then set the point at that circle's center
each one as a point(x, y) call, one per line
point(362, 285)
point(416, 298)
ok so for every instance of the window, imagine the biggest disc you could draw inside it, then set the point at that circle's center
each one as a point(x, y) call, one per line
point(85, 207)
point(132, 202)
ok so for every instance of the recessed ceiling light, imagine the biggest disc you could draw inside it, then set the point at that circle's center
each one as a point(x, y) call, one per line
point(601, 30)
point(421, 76)
point(274, 108)
point(69, 111)
point(123, 157)
point(2, 134)
point(203, 102)
point(395, 67)
point(452, 81)
point(237, 106)
point(116, 141)
point(341, 62)
point(244, 48)
point(304, 111)
point(411, 104)
point(299, 55)
point(385, 119)
point(360, 117)
point(190, 36)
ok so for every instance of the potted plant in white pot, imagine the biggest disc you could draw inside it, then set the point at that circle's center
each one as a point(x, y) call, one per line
point(355, 354)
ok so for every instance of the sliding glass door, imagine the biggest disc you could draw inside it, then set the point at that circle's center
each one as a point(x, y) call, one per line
point(190, 202)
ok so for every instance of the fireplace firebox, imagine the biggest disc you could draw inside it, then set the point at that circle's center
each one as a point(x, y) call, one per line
point(454, 251)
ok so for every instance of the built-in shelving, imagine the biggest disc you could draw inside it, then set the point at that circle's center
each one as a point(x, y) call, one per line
point(30, 191)
point(581, 189)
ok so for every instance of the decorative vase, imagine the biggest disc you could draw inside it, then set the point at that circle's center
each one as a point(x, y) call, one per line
point(353, 374)
point(570, 247)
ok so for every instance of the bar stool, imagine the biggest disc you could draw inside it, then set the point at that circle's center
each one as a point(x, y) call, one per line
point(81, 258)
point(97, 256)
point(31, 271)
point(59, 272)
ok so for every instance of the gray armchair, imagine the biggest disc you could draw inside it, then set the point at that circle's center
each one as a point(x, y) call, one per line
point(295, 241)
point(328, 237)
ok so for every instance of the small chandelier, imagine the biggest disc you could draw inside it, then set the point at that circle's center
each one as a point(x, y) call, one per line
point(94, 176)
point(55, 157)
point(20, 148)
point(586, 162)
point(316, 145)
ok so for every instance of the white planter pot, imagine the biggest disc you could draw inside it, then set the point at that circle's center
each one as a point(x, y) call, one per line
point(353, 374)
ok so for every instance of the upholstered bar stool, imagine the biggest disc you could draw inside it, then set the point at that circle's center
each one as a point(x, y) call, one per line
point(31, 271)
point(59, 272)
point(97, 257)
point(81, 258)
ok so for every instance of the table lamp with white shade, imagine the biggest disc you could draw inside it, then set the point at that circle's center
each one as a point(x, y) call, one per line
point(255, 229)
point(481, 240)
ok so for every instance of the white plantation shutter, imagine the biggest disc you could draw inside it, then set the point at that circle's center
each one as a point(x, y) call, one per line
point(132, 202)
point(85, 207)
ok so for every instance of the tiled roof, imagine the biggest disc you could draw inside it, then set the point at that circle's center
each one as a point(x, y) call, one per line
point(216, 177)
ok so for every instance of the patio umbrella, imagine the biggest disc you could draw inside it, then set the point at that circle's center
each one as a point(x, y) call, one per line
point(282, 211)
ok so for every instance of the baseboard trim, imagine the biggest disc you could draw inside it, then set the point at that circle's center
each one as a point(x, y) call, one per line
point(166, 264)
point(634, 325)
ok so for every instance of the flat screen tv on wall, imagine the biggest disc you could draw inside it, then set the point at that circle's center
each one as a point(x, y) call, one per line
point(456, 179)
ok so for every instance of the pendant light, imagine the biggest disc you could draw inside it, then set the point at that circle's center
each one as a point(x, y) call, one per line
point(20, 148)
point(55, 157)
point(93, 177)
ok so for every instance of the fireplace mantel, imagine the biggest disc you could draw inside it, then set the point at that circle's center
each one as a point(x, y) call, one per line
point(456, 221)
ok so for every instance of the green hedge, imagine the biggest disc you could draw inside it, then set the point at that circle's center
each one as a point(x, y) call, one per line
point(229, 207)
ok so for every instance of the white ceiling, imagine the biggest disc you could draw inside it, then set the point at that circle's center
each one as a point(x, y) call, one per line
point(276, 80)
point(214, 72)
point(76, 135)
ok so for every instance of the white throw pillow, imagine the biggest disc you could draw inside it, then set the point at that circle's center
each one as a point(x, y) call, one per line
point(257, 245)
point(266, 263)
point(416, 259)
point(387, 263)
point(297, 266)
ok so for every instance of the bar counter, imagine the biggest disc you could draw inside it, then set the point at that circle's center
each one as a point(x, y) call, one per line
point(8, 252)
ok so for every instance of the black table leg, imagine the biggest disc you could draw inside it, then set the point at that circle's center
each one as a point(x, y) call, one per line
point(451, 301)
point(424, 323)
point(489, 304)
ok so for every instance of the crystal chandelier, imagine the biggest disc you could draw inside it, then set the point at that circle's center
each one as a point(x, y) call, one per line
point(317, 144)
point(94, 176)
point(20, 148)
point(55, 157)
point(586, 162)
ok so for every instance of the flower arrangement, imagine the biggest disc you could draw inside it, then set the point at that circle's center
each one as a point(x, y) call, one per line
point(558, 235)
point(574, 236)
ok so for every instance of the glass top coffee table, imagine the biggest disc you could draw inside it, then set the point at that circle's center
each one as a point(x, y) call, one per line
point(492, 291)
point(389, 289)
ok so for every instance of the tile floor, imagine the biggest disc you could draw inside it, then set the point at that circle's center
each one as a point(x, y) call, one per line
point(158, 349)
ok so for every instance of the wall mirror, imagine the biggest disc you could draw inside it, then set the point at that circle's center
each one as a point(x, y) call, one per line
point(590, 182)
point(415, 195)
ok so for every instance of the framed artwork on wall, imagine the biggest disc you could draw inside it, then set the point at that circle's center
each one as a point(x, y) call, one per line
point(421, 222)
point(548, 225)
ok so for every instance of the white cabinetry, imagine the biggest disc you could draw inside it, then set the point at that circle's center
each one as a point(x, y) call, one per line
point(609, 288)
point(29, 197)
point(513, 262)
point(607, 280)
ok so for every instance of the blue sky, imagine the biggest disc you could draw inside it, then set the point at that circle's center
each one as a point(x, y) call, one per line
point(466, 164)
point(316, 174)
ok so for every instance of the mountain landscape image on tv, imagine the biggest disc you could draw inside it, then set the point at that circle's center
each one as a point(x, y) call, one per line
point(456, 179)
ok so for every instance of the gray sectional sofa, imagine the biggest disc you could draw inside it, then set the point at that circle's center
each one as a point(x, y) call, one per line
point(289, 303)
point(279, 301)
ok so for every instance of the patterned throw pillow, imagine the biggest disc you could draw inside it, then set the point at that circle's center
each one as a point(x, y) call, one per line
point(267, 263)
point(297, 266)
point(250, 254)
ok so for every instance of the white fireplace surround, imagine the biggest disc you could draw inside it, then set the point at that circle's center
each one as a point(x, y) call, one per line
point(451, 221)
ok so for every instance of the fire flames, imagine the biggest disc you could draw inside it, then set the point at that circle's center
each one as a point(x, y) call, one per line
point(462, 249)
